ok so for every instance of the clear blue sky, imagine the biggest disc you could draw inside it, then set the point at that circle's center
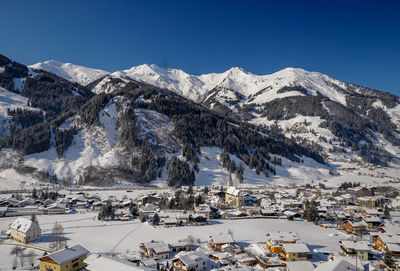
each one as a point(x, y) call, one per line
point(354, 41)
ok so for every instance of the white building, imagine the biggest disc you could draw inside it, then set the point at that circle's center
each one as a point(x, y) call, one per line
point(24, 230)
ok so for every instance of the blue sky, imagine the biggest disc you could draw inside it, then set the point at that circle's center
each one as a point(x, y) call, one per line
point(354, 41)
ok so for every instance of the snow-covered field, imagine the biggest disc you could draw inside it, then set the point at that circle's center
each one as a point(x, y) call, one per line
point(118, 237)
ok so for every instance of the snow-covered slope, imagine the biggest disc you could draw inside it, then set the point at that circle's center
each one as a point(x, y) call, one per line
point(72, 72)
point(10, 101)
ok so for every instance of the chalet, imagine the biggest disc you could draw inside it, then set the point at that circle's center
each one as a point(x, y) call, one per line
point(156, 250)
point(220, 257)
point(299, 266)
point(244, 259)
point(387, 242)
point(193, 261)
point(339, 264)
point(69, 259)
point(357, 228)
point(355, 248)
point(203, 209)
point(24, 230)
point(55, 209)
point(371, 212)
point(217, 241)
point(295, 252)
point(371, 201)
point(275, 240)
point(149, 263)
point(374, 222)
point(180, 246)
point(98, 206)
point(234, 197)
point(393, 249)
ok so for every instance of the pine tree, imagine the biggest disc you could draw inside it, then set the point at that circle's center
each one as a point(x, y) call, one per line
point(239, 173)
point(34, 218)
point(387, 212)
point(156, 219)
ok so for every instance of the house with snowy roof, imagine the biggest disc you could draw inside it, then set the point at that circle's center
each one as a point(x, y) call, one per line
point(275, 240)
point(355, 248)
point(193, 261)
point(234, 197)
point(24, 230)
point(69, 259)
point(340, 264)
point(218, 240)
point(155, 249)
point(203, 209)
point(295, 252)
point(357, 228)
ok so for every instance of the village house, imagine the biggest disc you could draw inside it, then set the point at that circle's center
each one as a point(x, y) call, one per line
point(180, 246)
point(356, 248)
point(69, 259)
point(220, 257)
point(374, 222)
point(244, 259)
point(190, 261)
point(387, 242)
point(275, 240)
point(339, 264)
point(371, 201)
point(234, 197)
point(358, 228)
point(55, 209)
point(217, 241)
point(295, 252)
point(24, 230)
point(155, 249)
point(203, 209)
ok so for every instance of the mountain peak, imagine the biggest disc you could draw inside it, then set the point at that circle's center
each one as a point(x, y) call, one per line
point(72, 72)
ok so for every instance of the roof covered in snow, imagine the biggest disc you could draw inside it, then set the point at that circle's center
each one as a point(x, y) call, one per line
point(23, 224)
point(68, 254)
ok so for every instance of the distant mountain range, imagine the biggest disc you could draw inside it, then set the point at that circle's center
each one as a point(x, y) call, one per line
point(148, 124)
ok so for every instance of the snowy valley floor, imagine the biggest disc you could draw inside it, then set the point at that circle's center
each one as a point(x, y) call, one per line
point(120, 237)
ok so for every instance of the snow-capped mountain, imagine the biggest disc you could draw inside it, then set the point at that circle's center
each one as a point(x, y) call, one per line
point(350, 113)
point(75, 73)
point(237, 82)
point(282, 125)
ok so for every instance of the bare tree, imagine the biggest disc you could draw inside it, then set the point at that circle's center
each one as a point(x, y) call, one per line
point(21, 258)
point(57, 239)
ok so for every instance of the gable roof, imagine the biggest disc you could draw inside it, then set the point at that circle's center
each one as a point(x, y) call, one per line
point(234, 192)
point(338, 265)
point(158, 247)
point(296, 248)
point(68, 254)
point(23, 224)
point(192, 258)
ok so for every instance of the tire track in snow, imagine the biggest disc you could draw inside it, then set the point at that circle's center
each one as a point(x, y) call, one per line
point(125, 236)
